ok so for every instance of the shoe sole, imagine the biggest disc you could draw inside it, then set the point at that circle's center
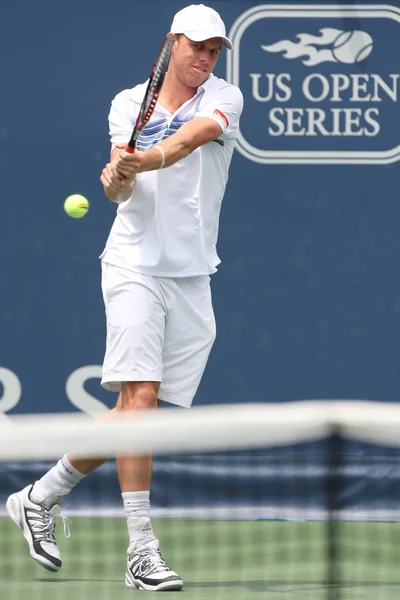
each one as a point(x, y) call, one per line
point(167, 586)
point(15, 510)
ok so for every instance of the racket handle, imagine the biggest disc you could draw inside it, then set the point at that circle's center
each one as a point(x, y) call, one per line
point(130, 149)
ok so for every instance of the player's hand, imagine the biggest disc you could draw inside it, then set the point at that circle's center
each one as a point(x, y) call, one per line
point(112, 180)
point(129, 164)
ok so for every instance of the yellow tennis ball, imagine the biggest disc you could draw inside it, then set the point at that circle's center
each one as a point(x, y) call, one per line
point(76, 206)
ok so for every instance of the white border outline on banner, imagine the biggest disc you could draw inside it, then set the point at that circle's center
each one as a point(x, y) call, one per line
point(252, 15)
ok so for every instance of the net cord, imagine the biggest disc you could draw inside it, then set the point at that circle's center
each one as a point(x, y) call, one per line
point(204, 428)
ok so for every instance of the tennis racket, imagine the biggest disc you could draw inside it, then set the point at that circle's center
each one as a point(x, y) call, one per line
point(160, 68)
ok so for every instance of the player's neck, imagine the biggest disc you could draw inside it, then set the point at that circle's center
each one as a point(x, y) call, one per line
point(174, 94)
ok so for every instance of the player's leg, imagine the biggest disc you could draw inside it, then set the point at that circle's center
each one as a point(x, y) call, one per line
point(35, 508)
point(134, 473)
point(66, 474)
point(189, 335)
point(146, 569)
point(136, 316)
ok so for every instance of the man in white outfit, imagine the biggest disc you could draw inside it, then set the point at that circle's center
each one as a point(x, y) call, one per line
point(156, 270)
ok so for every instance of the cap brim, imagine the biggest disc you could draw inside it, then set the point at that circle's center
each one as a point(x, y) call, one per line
point(201, 36)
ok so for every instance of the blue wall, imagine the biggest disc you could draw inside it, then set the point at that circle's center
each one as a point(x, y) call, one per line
point(307, 298)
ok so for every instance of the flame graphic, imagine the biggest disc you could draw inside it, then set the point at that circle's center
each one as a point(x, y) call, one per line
point(307, 47)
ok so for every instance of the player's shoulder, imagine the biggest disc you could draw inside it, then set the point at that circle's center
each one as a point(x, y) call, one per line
point(135, 94)
point(216, 86)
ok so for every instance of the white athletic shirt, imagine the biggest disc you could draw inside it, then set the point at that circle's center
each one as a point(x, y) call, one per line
point(169, 226)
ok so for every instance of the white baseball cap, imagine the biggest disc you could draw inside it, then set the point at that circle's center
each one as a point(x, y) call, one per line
point(199, 23)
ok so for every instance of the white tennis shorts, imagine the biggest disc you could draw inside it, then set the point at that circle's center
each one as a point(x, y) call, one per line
point(158, 329)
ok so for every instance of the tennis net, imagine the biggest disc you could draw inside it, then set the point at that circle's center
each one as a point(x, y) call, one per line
point(264, 501)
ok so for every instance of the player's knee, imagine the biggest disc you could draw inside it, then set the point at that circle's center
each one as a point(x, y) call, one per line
point(138, 396)
point(144, 401)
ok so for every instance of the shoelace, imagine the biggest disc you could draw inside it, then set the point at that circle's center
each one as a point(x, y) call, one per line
point(44, 530)
point(153, 563)
point(151, 560)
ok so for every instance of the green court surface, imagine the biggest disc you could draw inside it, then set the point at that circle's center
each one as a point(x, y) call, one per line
point(221, 560)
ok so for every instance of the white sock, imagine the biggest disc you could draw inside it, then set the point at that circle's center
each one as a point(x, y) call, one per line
point(137, 512)
point(56, 483)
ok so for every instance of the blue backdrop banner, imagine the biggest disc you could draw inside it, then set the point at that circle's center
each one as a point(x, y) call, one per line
point(307, 298)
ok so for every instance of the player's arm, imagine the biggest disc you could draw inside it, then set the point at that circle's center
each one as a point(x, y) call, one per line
point(190, 136)
point(179, 145)
point(117, 187)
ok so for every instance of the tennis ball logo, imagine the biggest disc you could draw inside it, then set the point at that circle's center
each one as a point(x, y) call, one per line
point(352, 46)
point(331, 45)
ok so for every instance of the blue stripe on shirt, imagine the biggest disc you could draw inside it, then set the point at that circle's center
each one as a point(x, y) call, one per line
point(157, 131)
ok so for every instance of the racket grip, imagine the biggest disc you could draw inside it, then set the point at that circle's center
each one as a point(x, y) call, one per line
point(129, 149)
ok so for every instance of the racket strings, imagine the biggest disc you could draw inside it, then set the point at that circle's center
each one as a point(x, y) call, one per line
point(156, 80)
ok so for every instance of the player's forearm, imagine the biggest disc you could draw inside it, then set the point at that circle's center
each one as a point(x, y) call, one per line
point(173, 150)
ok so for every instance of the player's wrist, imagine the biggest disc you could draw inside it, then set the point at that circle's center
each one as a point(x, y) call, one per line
point(162, 153)
point(153, 159)
point(120, 196)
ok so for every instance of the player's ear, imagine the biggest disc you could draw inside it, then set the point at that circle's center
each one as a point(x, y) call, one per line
point(176, 41)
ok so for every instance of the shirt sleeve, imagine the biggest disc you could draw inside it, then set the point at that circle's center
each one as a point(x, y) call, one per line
point(121, 119)
point(225, 107)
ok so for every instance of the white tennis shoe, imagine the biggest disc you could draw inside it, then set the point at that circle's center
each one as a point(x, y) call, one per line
point(37, 524)
point(147, 570)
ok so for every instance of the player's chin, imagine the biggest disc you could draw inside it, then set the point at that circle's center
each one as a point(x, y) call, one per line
point(197, 78)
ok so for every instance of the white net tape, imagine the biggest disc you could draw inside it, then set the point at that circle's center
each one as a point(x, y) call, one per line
point(206, 428)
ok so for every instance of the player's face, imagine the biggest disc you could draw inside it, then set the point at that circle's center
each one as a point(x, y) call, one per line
point(195, 61)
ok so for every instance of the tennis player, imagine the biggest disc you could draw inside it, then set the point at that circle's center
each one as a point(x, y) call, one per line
point(156, 270)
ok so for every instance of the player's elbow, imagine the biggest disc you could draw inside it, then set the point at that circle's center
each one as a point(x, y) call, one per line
point(187, 147)
point(190, 145)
